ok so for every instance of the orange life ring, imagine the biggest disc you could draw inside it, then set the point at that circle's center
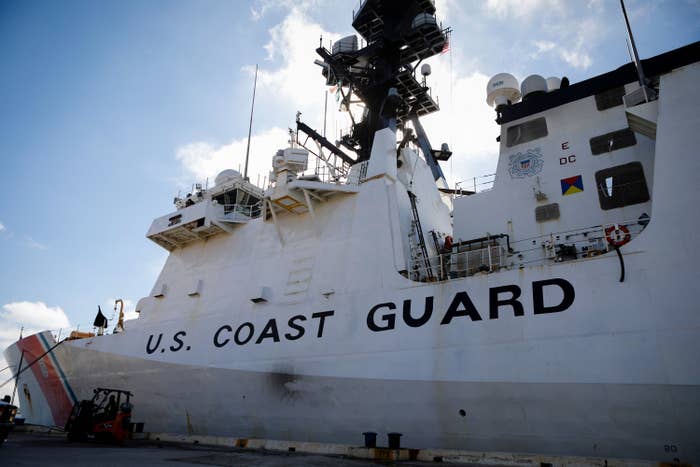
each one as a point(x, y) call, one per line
point(448, 243)
point(617, 235)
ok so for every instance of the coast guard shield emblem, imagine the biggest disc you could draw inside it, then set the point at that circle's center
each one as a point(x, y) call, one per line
point(526, 164)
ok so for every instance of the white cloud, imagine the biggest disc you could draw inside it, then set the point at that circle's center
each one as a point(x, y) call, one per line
point(289, 83)
point(34, 316)
point(262, 7)
point(2, 227)
point(544, 46)
point(576, 58)
point(465, 121)
point(202, 160)
point(34, 244)
point(296, 83)
point(521, 8)
point(30, 318)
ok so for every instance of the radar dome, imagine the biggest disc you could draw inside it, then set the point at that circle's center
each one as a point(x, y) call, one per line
point(227, 175)
point(533, 85)
point(553, 83)
point(502, 89)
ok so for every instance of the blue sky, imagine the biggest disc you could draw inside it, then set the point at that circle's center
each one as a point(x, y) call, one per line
point(108, 108)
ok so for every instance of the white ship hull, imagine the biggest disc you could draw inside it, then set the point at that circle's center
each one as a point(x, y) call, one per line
point(609, 376)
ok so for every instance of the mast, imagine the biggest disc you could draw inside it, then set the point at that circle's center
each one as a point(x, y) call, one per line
point(381, 75)
point(637, 62)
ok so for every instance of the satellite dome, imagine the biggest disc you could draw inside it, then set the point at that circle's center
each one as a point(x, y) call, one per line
point(533, 85)
point(502, 89)
point(227, 176)
point(553, 83)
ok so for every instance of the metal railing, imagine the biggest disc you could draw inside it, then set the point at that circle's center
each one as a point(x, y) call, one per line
point(238, 211)
point(456, 264)
point(475, 184)
point(492, 254)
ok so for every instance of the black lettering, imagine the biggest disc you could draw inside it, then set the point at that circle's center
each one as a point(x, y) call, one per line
point(270, 330)
point(178, 341)
point(494, 302)
point(236, 336)
point(538, 296)
point(417, 322)
point(300, 329)
point(219, 343)
point(467, 309)
point(322, 315)
point(150, 350)
point(389, 318)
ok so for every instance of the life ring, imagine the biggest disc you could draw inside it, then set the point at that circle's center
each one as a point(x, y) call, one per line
point(448, 243)
point(617, 235)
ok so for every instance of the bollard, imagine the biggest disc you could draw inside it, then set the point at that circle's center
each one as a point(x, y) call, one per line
point(370, 439)
point(394, 440)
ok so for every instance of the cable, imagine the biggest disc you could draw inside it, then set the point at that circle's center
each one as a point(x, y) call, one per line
point(622, 264)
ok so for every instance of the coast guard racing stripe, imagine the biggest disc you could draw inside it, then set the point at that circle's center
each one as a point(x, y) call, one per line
point(48, 373)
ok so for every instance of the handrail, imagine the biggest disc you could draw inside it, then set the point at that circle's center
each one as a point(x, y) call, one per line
point(499, 251)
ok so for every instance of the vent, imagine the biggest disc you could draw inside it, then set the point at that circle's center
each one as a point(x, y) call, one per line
point(610, 98)
point(548, 212)
point(612, 141)
point(526, 131)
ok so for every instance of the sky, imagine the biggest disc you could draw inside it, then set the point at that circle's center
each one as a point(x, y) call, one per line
point(109, 109)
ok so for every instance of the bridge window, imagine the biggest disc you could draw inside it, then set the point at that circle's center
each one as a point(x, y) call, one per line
point(526, 131)
point(622, 185)
point(612, 141)
point(610, 98)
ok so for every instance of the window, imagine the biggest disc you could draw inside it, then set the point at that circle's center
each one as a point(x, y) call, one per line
point(621, 186)
point(610, 98)
point(526, 131)
point(547, 212)
point(612, 141)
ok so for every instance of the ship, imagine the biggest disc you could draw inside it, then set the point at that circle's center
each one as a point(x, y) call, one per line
point(553, 313)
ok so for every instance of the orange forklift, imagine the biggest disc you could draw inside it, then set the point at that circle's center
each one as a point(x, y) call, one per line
point(106, 417)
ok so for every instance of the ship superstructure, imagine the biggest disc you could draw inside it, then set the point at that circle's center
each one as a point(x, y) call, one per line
point(553, 313)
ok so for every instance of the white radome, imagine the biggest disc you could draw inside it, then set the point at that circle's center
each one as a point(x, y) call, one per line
point(227, 175)
point(533, 83)
point(502, 89)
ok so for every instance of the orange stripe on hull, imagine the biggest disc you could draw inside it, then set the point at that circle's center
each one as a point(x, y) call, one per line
point(48, 378)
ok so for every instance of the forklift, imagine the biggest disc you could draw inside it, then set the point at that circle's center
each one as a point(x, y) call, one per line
point(106, 417)
point(7, 417)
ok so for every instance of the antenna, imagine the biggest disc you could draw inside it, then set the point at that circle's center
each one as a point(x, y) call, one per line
point(637, 62)
point(250, 126)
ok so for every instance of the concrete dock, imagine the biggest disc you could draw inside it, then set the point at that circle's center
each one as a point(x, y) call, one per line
point(41, 449)
point(30, 446)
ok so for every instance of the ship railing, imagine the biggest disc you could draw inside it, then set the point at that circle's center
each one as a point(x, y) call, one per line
point(491, 254)
point(464, 260)
point(573, 244)
point(242, 211)
point(475, 185)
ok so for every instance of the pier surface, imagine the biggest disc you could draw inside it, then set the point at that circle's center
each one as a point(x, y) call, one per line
point(32, 446)
point(32, 449)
